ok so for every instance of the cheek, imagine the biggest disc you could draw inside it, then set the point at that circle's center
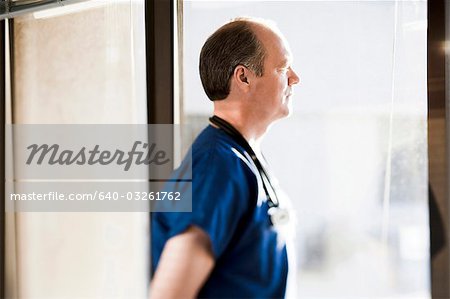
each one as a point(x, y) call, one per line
point(283, 82)
point(261, 87)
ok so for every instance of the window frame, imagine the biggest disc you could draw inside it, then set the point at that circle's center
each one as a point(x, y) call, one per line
point(438, 105)
point(2, 155)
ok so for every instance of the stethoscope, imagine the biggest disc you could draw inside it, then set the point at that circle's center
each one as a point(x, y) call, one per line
point(277, 214)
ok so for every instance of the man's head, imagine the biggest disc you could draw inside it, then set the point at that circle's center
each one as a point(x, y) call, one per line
point(233, 44)
point(249, 59)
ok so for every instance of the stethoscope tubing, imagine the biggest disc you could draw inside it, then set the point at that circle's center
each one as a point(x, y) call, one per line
point(237, 136)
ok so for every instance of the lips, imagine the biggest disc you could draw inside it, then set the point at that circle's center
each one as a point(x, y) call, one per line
point(290, 93)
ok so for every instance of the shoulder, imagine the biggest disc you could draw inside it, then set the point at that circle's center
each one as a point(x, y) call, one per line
point(214, 151)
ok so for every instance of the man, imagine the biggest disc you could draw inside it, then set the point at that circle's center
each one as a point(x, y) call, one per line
point(227, 247)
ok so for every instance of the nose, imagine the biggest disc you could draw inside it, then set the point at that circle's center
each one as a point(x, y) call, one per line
point(293, 78)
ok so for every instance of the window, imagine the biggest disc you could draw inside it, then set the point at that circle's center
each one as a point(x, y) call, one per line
point(354, 154)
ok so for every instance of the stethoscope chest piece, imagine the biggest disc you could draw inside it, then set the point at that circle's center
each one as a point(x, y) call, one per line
point(278, 216)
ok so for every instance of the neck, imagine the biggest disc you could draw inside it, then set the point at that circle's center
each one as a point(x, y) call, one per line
point(252, 129)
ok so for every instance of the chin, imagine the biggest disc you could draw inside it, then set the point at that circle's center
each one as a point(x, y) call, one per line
point(283, 114)
point(287, 114)
point(287, 108)
point(287, 111)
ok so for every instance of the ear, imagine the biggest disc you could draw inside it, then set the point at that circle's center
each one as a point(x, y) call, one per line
point(241, 78)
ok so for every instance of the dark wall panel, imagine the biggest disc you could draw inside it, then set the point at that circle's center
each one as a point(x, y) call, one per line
point(438, 151)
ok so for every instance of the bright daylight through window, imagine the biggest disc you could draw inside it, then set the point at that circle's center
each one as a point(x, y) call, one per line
point(353, 156)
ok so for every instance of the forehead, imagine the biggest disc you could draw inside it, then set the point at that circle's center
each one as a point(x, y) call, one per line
point(275, 44)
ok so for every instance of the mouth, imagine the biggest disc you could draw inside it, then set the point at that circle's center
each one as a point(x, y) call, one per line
point(290, 93)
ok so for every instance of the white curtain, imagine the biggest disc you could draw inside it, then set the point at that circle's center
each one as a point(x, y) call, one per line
point(78, 67)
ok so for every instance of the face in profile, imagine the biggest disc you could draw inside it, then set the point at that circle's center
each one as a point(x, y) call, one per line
point(273, 90)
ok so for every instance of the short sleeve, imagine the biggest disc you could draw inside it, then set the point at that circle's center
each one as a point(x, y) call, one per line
point(224, 189)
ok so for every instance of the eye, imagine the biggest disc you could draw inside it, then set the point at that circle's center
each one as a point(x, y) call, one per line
point(284, 70)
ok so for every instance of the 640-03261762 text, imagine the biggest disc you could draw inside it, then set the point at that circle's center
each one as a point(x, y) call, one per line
point(97, 195)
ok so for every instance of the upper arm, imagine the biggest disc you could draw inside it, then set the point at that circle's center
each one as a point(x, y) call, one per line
point(186, 262)
point(223, 191)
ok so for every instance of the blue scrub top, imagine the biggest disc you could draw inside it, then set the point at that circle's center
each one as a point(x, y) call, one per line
point(250, 261)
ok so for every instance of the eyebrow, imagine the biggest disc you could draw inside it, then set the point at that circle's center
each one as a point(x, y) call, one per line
point(285, 62)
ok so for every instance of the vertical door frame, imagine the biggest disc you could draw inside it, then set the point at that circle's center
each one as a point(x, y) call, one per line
point(438, 149)
point(159, 38)
point(2, 158)
point(159, 27)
